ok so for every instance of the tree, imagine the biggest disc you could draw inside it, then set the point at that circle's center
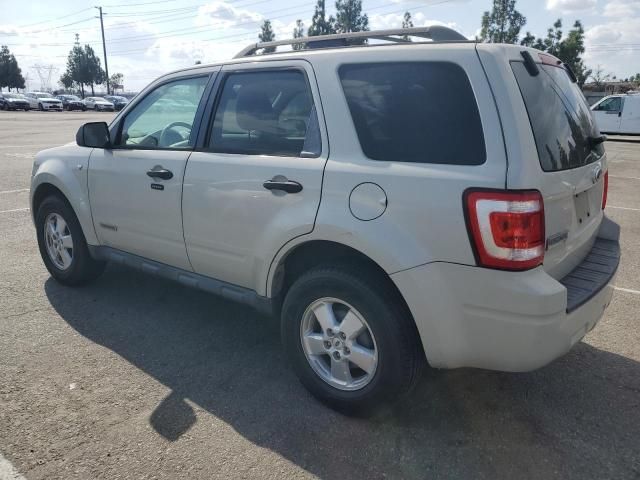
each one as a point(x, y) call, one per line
point(407, 22)
point(570, 51)
point(66, 81)
point(116, 80)
point(267, 35)
point(83, 67)
point(298, 32)
point(349, 17)
point(10, 73)
point(600, 77)
point(320, 24)
point(503, 23)
point(96, 75)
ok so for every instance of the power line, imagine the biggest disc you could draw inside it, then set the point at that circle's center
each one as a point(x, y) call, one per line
point(55, 19)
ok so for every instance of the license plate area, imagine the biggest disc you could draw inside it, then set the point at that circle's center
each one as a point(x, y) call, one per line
point(583, 207)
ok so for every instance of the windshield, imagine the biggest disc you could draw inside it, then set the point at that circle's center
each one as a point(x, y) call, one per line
point(98, 99)
point(71, 97)
point(560, 118)
point(43, 95)
point(12, 95)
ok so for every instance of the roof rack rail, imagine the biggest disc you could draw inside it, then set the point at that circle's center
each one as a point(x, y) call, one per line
point(436, 33)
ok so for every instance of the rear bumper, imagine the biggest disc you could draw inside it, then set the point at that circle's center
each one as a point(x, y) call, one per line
point(508, 321)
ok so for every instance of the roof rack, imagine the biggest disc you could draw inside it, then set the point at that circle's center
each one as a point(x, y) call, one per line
point(436, 33)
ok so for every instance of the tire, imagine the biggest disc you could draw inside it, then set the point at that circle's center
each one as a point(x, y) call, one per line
point(82, 268)
point(40, 107)
point(390, 332)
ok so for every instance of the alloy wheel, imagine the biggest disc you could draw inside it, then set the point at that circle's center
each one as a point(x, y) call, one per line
point(339, 344)
point(58, 241)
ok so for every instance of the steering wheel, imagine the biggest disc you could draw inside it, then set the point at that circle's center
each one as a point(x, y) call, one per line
point(165, 139)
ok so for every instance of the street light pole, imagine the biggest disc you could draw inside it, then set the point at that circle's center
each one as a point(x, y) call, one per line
point(104, 51)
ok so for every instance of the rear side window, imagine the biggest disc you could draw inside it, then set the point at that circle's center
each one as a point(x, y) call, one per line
point(421, 112)
point(559, 116)
point(267, 112)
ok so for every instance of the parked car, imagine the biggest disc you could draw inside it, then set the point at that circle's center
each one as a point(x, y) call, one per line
point(13, 101)
point(458, 217)
point(99, 104)
point(71, 102)
point(43, 101)
point(118, 102)
point(618, 114)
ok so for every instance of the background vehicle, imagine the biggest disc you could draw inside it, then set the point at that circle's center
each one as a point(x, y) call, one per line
point(99, 104)
point(71, 102)
point(474, 243)
point(13, 101)
point(618, 114)
point(43, 101)
point(118, 102)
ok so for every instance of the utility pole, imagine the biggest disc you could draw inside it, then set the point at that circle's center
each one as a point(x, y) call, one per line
point(104, 51)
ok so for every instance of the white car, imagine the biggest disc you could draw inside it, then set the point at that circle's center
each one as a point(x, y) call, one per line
point(43, 101)
point(457, 217)
point(618, 114)
point(98, 104)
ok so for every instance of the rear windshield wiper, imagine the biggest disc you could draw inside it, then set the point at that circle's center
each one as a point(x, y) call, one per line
point(595, 141)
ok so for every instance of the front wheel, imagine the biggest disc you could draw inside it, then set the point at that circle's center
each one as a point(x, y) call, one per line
point(350, 340)
point(40, 107)
point(62, 244)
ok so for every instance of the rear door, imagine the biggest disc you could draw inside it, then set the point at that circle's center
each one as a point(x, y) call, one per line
point(608, 114)
point(256, 182)
point(571, 163)
point(630, 122)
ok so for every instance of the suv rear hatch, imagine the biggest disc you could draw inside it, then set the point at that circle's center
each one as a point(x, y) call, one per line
point(570, 155)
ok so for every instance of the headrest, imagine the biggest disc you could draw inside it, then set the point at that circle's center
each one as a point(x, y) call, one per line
point(254, 110)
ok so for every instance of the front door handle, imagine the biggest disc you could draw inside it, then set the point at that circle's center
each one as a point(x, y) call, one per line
point(288, 186)
point(160, 172)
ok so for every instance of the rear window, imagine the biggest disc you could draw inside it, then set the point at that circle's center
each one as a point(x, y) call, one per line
point(422, 112)
point(559, 116)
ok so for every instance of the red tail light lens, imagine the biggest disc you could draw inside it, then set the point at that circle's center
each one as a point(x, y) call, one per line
point(506, 228)
point(605, 189)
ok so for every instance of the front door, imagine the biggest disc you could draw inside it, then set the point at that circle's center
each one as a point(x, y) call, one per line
point(135, 188)
point(256, 183)
point(608, 114)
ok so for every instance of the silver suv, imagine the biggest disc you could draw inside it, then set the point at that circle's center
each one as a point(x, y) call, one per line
point(435, 202)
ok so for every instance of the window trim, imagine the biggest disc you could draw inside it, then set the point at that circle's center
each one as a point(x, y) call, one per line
point(197, 119)
point(421, 61)
point(213, 109)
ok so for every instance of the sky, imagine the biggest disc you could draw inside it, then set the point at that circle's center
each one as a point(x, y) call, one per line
point(147, 38)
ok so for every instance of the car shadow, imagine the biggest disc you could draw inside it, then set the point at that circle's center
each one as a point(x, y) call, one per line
point(577, 418)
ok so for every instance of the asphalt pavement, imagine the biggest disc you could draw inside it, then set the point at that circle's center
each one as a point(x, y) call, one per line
point(137, 377)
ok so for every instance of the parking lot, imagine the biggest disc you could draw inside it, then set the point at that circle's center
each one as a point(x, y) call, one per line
point(137, 377)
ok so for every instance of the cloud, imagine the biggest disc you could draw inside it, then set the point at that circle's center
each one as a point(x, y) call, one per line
point(614, 45)
point(621, 8)
point(224, 15)
point(568, 6)
point(381, 21)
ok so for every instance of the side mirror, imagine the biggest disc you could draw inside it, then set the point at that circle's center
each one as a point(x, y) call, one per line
point(94, 135)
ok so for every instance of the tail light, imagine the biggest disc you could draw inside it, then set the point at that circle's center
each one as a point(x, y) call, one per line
point(506, 228)
point(605, 189)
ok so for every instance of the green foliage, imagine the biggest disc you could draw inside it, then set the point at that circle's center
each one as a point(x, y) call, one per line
point(83, 67)
point(116, 80)
point(320, 24)
point(407, 22)
point(349, 17)
point(267, 35)
point(298, 32)
point(10, 73)
point(568, 49)
point(503, 23)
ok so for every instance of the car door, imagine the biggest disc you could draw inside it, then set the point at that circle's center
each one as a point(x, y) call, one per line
point(255, 184)
point(630, 120)
point(135, 188)
point(608, 113)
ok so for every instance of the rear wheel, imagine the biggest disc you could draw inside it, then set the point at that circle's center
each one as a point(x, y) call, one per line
point(62, 244)
point(351, 341)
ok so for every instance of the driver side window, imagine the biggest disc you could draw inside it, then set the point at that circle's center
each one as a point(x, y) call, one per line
point(164, 118)
point(610, 105)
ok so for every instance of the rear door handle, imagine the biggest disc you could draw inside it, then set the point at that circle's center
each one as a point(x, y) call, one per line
point(160, 172)
point(288, 186)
